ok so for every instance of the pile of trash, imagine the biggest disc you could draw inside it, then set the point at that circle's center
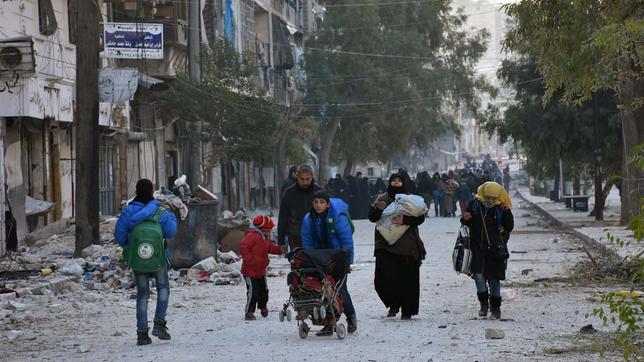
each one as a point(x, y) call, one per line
point(225, 272)
point(231, 229)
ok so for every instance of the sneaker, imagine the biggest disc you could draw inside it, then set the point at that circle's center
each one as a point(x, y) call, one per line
point(160, 330)
point(392, 312)
point(142, 338)
point(326, 331)
point(264, 312)
point(405, 317)
point(352, 324)
point(250, 316)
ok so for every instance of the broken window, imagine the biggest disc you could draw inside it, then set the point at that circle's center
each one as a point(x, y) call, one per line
point(46, 17)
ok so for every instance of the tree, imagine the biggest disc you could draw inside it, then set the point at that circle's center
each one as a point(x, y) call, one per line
point(548, 132)
point(585, 46)
point(237, 121)
point(385, 74)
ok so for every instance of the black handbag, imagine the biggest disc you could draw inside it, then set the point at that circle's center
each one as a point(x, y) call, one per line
point(462, 254)
point(497, 249)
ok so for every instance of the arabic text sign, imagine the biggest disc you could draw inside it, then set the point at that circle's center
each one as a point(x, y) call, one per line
point(133, 40)
point(117, 85)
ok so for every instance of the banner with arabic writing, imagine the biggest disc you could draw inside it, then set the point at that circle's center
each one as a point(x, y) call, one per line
point(133, 40)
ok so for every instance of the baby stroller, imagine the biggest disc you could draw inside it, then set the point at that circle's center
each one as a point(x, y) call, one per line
point(314, 285)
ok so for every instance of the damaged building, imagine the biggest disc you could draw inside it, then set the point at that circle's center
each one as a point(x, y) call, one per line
point(138, 137)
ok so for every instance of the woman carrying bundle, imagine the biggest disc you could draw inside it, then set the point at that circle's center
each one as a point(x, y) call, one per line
point(397, 276)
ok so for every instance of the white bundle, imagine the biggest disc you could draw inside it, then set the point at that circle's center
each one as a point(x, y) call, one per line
point(407, 205)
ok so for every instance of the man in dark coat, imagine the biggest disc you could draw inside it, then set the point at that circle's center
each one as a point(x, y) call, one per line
point(296, 202)
point(290, 180)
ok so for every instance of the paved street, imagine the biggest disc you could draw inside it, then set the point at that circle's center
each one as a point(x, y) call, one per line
point(209, 325)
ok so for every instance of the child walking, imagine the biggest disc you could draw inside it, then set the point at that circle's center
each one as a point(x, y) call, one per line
point(255, 247)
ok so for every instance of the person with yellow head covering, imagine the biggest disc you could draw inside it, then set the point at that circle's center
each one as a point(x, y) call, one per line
point(490, 220)
point(493, 194)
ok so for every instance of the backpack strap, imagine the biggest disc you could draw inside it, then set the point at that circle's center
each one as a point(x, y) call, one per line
point(157, 215)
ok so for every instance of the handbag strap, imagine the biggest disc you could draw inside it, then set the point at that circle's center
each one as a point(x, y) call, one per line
point(485, 227)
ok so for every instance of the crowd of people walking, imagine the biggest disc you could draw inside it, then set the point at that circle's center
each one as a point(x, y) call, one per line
point(312, 217)
point(449, 192)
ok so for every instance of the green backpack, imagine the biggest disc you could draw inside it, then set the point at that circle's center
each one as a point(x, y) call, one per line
point(145, 252)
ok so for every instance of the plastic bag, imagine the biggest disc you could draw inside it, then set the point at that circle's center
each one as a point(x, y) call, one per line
point(203, 269)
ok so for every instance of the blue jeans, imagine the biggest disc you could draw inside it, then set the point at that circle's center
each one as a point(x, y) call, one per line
point(481, 285)
point(349, 311)
point(143, 292)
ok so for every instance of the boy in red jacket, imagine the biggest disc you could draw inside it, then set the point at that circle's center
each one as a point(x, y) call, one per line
point(255, 247)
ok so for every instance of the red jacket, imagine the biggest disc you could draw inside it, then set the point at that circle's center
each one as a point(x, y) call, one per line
point(254, 249)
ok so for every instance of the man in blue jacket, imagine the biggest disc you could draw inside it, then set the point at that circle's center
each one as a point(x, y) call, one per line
point(328, 226)
point(143, 207)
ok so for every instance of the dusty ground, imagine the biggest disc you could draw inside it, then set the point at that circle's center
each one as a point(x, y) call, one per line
point(206, 321)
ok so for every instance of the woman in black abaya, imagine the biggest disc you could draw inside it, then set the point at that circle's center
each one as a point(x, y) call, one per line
point(397, 277)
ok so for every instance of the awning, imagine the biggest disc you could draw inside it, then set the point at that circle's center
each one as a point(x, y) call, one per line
point(151, 83)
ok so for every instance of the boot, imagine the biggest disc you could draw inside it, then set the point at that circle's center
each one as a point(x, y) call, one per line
point(392, 312)
point(352, 324)
point(326, 331)
point(250, 316)
point(405, 317)
point(142, 338)
point(264, 312)
point(160, 330)
point(483, 300)
point(495, 307)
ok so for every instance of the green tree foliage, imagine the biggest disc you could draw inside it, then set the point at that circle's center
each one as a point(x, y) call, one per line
point(237, 121)
point(547, 132)
point(581, 46)
point(385, 75)
point(625, 309)
point(584, 46)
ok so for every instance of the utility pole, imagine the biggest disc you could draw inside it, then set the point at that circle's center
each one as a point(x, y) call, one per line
point(599, 194)
point(87, 62)
point(194, 69)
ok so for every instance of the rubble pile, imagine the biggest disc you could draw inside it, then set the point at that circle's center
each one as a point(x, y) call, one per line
point(225, 272)
point(230, 230)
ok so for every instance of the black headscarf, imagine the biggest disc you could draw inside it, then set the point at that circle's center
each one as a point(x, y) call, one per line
point(393, 191)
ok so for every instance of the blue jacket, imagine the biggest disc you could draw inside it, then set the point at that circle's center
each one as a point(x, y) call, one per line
point(340, 235)
point(136, 212)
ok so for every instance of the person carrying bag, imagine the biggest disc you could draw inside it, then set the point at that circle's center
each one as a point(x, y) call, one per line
point(490, 220)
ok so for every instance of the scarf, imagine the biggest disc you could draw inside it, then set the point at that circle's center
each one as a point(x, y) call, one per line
point(393, 191)
point(493, 189)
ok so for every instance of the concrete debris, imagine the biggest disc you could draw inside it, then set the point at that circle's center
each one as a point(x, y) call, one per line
point(91, 297)
point(588, 329)
point(508, 294)
point(526, 271)
point(93, 251)
point(55, 308)
point(228, 257)
point(73, 269)
point(491, 333)
point(83, 348)
point(12, 335)
point(222, 281)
